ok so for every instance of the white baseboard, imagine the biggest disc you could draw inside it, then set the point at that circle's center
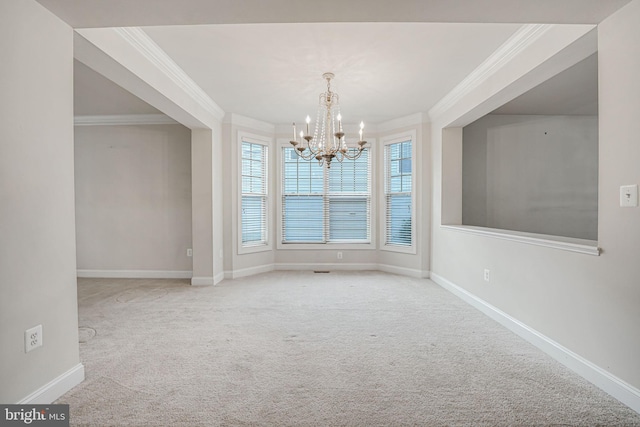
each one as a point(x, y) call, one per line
point(403, 271)
point(601, 378)
point(327, 266)
point(51, 391)
point(218, 278)
point(135, 274)
point(202, 281)
point(244, 272)
point(234, 274)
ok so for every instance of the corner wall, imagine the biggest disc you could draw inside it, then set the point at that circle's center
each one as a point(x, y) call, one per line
point(586, 304)
point(37, 219)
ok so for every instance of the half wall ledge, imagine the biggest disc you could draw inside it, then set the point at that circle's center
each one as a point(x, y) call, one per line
point(588, 247)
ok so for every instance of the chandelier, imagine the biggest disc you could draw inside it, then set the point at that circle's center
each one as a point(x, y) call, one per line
point(327, 142)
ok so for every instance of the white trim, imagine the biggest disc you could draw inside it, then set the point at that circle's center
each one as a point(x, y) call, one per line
point(202, 281)
point(136, 274)
point(124, 120)
point(137, 38)
point(243, 250)
point(520, 40)
point(404, 271)
point(55, 388)
point(217, 278)
point(250, 271)
point(582, 246)
point(416, 119)
point(327, 266)
point(247, 122)
point(601, 378)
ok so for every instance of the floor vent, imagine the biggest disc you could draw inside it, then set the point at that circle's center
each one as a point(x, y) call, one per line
point(321, 271)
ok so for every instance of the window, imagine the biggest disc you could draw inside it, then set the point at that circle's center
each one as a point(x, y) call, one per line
point(321, 205)
point(254, 194)
point(398, 186)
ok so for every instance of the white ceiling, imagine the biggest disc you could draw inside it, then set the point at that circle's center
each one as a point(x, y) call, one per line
point(272, 71)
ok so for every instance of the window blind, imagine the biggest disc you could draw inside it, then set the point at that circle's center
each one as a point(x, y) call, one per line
point(254, 194)
point(321, 205)
point(398, 189)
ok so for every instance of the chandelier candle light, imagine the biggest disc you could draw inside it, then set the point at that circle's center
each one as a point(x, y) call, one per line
point(328, 142)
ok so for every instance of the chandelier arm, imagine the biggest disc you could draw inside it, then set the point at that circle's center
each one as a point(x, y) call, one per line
point(353, 156)
point(311, 154)
point(302, 156)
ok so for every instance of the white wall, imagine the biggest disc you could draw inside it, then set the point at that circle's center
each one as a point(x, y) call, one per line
point(585, 303)
point(133, 198)
point(537, 174)
point(37, 243)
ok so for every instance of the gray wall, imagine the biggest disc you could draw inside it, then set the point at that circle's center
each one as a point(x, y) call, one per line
point(37, 230)
point(133, 197)
point(537, 174)
point(588, 304)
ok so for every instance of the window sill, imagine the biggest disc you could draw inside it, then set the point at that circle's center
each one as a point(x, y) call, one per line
point(399, 249)
point(243, 250)
point(583, 246)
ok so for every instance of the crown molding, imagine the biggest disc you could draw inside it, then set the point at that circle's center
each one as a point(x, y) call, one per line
point(519, 41)
point(247, 122)
point(137, 38)
point(415, 119)
point(123, 120)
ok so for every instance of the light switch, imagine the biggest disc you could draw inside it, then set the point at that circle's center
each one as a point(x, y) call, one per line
point(629, 196)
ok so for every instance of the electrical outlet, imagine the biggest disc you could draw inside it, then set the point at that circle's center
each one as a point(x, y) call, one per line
point(339, 255)
point(189, 252)
point(32, 338)
point(486, 275)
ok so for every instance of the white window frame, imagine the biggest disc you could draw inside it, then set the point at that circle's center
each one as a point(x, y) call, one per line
point(371, 245)
point(386, 141)
point(266, 142)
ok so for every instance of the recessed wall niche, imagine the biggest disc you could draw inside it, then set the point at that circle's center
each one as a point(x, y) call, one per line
point(532, 164)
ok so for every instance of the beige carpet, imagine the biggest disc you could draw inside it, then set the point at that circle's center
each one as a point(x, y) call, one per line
point(305, 349)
